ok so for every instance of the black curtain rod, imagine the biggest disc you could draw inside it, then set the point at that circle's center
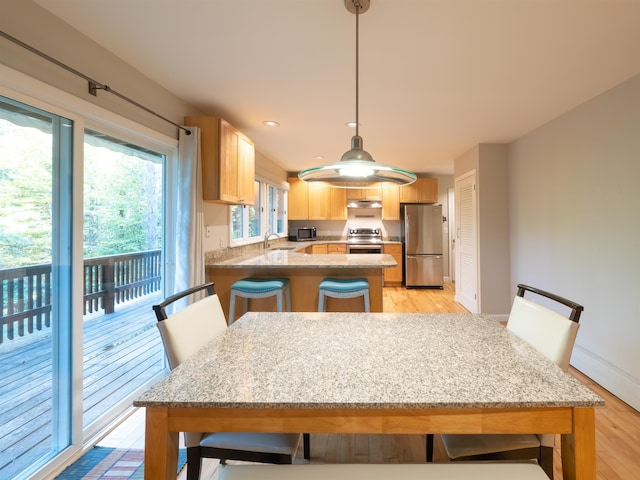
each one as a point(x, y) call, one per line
point(94, 85)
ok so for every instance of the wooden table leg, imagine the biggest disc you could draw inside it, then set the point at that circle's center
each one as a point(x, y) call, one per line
point(160, 446)
point(579, 448)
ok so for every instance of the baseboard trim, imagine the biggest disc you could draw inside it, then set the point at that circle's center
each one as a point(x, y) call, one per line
point(607, 375)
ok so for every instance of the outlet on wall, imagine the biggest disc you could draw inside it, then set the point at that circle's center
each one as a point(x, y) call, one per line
point(207, 231)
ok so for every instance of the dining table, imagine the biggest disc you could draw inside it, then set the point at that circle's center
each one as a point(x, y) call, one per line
point(369, 373)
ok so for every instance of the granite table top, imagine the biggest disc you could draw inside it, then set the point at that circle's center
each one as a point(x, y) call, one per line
point(293, 259)
point(376, 360)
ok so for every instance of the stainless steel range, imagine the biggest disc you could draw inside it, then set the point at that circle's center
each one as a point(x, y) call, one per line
point(364, 240)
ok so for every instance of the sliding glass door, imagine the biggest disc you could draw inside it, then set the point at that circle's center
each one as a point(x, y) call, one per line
point(123, 274)
point(82, 261)
point(36, 204)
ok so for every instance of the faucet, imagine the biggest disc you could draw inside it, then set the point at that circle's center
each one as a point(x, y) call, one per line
point(267, 236)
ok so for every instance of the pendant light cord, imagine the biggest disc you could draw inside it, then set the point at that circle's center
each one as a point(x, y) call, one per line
point(357, 6)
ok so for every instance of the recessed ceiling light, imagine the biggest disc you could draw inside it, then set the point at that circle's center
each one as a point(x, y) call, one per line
point(351, 124)
point(318, 157)
point(271, 123)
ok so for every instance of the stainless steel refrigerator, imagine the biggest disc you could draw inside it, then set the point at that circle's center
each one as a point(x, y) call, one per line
point(421, 230)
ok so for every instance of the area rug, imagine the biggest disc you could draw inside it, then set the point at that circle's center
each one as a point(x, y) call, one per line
point(102, 463)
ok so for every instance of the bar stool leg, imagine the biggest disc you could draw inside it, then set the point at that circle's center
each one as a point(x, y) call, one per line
point(321, 301)
point(287, 297)
point(232, 308)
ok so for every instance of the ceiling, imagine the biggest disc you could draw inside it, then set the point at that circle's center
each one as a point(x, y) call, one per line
point(437, 77)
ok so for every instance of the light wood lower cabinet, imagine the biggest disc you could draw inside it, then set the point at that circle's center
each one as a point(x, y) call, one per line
point(336, 248)
point(320, 248)
point(393, 276)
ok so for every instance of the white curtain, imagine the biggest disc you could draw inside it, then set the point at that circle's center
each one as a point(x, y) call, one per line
point(189, 217)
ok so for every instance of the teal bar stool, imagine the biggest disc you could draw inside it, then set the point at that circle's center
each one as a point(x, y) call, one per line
point(259, 288)
point(343, 288)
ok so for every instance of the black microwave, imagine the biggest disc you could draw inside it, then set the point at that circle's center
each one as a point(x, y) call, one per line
point(302, 234)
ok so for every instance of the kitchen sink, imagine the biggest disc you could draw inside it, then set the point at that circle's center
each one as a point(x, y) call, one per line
point(282, 248)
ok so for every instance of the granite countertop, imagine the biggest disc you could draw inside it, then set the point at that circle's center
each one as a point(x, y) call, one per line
point(291, 258)
point(376, 360)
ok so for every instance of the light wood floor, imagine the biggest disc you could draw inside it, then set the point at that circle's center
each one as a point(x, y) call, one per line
point(617, 424)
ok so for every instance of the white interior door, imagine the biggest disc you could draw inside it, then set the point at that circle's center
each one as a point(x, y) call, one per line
point(467, 242)
point(451, 232)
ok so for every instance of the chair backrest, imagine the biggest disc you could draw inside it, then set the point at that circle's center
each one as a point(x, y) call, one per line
point(189, 329)
point(549, 332)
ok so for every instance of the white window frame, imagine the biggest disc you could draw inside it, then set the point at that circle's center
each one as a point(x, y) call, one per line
point(265, 183)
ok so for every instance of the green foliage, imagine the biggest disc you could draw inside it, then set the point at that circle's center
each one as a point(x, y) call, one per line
point(122, 203)
point(122, 197)
point(25, 196)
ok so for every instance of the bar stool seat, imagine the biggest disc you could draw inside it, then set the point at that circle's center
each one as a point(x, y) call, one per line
point(343, 288)
point(259, 288)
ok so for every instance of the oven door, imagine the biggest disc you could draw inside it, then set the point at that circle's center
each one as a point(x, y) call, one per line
point(363, 248)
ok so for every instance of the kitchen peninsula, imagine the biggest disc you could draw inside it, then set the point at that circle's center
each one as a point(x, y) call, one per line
point(305, 272)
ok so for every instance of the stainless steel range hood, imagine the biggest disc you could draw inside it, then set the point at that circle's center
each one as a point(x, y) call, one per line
point(364, 203)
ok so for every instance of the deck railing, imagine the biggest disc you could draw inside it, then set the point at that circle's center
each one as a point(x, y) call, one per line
point(25, 292)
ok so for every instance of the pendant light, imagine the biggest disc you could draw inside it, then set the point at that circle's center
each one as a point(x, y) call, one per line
point(356, 165)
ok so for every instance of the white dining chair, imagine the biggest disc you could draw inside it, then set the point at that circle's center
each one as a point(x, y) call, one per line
point(183, 333)
point(553, 335)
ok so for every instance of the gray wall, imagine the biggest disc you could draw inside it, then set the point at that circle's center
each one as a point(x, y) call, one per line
point(575, 228)
point(491, 165)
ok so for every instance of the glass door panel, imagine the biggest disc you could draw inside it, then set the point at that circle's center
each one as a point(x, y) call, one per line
point(35, 287)
point(123, 274)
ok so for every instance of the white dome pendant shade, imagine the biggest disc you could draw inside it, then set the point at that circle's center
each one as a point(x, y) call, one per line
point(356, 165)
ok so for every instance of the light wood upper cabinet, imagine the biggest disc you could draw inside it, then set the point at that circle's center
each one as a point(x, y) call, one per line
point(338, 204)
point(390, 202)
point(228, 162)
point(298, 199)
point(368, 191)
point(316, 201)
point(319, 201)
point(246, 171)
point(423, 190)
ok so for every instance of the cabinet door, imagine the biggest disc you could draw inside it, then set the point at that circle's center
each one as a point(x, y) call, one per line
point(423, 190)
point(337, 203)
point(319, 248)
point(298, 199)
point(393, 275)
point(228, 163)
point(246, 171)
point(318, 201)
point(367, 191)
point(429, 190)
point(410, 193)
point(391, 202)
point(336, 248)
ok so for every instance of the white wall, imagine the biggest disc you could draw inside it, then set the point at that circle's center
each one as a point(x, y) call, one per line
point(575, 228)
point(31, 24)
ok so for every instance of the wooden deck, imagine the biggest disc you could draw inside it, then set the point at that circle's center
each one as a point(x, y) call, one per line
point(121, 349)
